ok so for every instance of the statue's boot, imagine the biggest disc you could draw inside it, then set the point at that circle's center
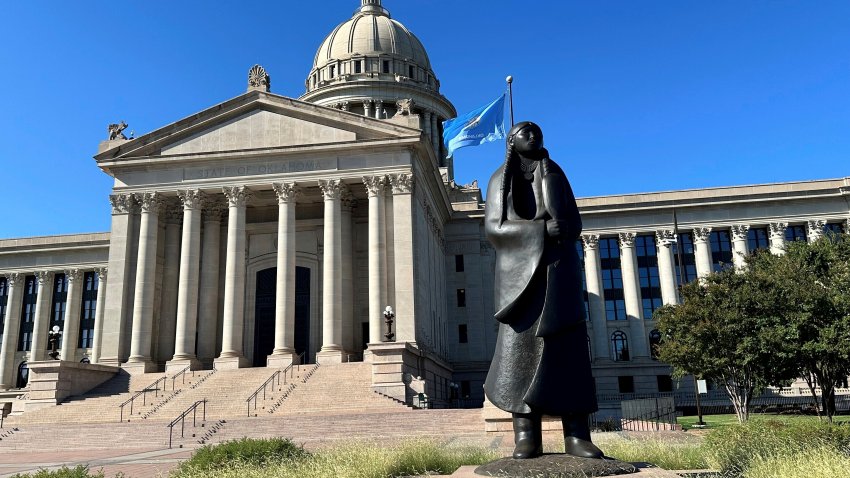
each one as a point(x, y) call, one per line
point(577, 437)
point(528, 436)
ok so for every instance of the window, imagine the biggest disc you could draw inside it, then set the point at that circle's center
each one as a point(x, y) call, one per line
point(23, 375)
point(90, 289)
point(60, 299)
point(758, 238)
point(626, 384)
point(465, 389)
point(795, 233)
point(461, 297)
point(834, 228)
point(411, 71)
point(665, 383)
point(721, 249)
point(462, 337)
point(358, 66)
point(386, 64)
point(619, 347)
point(332, 71)
point(650, 282)
point(28, 313)
point(612, 279)
point(459, 263)
point(4, 296)
point(580, 250)
point(654, 343)
point(686, 240)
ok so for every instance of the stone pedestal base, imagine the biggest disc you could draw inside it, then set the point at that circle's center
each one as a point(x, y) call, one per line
point(555, 466)
point(230, 363)
point(176, 366)
point(281, 360)
point(53, 381)
point(331, 356)
point(134, 368)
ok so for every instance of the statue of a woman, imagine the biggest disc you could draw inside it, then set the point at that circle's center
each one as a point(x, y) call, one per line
point(542, 363)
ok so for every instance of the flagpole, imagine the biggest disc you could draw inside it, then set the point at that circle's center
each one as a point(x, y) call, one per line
point(510, 80)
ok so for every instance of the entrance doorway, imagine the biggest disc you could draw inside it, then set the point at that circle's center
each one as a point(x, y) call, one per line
point(264, 314)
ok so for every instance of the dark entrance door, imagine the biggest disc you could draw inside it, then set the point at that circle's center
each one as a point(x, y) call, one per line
point(264, 316)
point(302, 313)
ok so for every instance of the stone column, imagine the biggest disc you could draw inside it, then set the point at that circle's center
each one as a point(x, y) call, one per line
point(376, 189)
point(403, 272)
point(119, 291)
point(97, 341)
point(284, 327)
point(740, 246)
point(595, 296)
point(378, 107)
point(143, 300)
point(209, 288)
point(166, 326)
point(331, 274)
point(664, 240)
point(815, 229)
point(638, 343)
point(702, 251)
point(15, 296)
point(71, 334)
point(42, 316)
point(187, 291)
point(777, 237)
point(367, 108)
point(234, 283)
point(348, 203)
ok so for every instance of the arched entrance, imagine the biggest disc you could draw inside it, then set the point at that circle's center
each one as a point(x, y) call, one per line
point(23, 375)
point(264, 313)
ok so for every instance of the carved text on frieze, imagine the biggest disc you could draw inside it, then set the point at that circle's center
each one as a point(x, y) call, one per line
point(254, 169)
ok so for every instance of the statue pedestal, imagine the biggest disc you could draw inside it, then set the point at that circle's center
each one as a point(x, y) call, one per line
point(555, 466)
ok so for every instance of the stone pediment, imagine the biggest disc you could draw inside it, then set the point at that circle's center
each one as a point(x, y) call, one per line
point(255, 121)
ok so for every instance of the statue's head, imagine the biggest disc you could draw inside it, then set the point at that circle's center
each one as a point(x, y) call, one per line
point(526, 138)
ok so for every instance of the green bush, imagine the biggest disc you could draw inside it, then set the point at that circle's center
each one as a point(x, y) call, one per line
point(80, 471)
point(733, 448)
point(247, 451)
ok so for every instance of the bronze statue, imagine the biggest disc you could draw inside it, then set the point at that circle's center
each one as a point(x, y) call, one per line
point(542, 363)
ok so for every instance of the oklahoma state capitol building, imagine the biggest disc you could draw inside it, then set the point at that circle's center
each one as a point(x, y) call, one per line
point(266, 230)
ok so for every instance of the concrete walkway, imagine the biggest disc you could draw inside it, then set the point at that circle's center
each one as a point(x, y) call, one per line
point(133, 463)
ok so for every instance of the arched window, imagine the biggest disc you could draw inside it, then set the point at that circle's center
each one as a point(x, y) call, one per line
point(619, 346)
point(23, 375)
point(654, 343)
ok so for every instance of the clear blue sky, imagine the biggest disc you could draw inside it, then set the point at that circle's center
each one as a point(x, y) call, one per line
point(632, 95)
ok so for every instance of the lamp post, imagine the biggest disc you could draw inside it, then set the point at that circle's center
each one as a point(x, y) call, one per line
point(389, 315)
point(55, 335)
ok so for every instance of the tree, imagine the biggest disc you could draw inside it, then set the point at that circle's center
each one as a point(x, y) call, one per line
point(727, 330)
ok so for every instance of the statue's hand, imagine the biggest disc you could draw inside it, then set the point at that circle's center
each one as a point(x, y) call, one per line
point(555, 227)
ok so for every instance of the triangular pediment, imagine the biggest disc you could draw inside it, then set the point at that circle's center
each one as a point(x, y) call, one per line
point(255, 121)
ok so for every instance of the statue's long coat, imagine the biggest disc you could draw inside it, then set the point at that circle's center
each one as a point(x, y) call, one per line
point(541, 363)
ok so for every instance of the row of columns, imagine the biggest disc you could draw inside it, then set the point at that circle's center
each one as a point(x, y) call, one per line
point(664, 240)
point(198, 278)
point(41, 319)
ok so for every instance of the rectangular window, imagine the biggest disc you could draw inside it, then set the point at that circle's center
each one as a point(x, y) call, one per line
point(795, 233)
point(358, 66)
point(650, 281)
point(87, 312)
point(686, 256)
point(57, 307)
point(461, 297)
point(626, 384)
point(834, 227)
point(612, 279)
point(332, 71)
point(28, 313)
point(757, 238)
point(4, 296)
point(462, 337)
point(459, 263)
point(721, 249)
point(665, 383)
point(412, 71)
point(386, 64)
point(465, 389)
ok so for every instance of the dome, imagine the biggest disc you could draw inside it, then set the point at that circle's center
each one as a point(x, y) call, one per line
point(372, 32)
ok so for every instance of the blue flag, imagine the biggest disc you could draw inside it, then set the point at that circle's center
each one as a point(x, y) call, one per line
point(480, 126)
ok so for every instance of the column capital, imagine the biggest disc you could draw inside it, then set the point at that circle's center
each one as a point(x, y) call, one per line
point(286, 192)
point(665, 237)
point(375, 185)
point(401, 183)
point(702, 234)
point(590, 241)
point(739, 232)
point(212, 208)
point(627, 239)
point(101, 273)
point(815, 227)
point(237, 196)
point(43, 276)
point(122, 203)
point(73, 275)
point(173, 212)
point(14, 279)
point(347, 199)
point(331, 189)
point(149, 202)
point(777, 229)
point(191, 198)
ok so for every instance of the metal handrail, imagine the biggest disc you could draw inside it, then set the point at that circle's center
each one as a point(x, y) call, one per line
point(154, 387)
point(181, 373)
point(182, 419)
point(262, 388)
point(652, 418)
point(291, 367)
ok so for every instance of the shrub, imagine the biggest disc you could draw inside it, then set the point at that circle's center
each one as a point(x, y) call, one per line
point(79, 471)
point(247, 451)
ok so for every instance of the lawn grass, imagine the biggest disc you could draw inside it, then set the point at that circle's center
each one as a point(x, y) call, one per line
point(720, 421)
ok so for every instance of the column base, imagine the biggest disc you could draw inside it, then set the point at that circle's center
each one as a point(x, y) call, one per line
point(331, 356)
point(176, 365)
point(281, 360)
point(143, 366)
point(230, 363)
